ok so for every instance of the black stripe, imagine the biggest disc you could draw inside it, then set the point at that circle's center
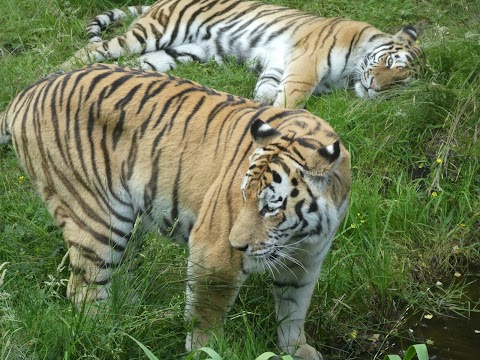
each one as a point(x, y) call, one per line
point(298, 208)
point(172, 99)
point(309, 143)
point(289, 299)
point(110, 14)
point(94, 82)
point(352, 42)
point(175, 191)
point(178, 23)
point(139, 38)
point(146, 122)
point(288, 284)
point(92, 255)
point(329, 58)
point(121, 104)
point(192, 113)
point(157, 34)
point(100, 282)
point(98, 196)
point(142, 29)
point(194, 16)
point(55, 118)
point(234, 106)
point(65, 80)
point(87, 211)
point(151, 189)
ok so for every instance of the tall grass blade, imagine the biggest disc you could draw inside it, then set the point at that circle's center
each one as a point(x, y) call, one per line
point(210, 352)
point(147, 352)
point(269, 355)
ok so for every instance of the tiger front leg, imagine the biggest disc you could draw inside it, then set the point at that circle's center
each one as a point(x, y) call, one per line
point(298, 83)
point(266, 88)
point(292, 290)
point(115, 48)
point(211, 292)
point(167, 59)
point(91, 53)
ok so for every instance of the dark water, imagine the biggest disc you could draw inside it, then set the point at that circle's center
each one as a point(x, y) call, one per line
point(454, 338)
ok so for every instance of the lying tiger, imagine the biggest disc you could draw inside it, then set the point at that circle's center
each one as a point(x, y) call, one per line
point(295, 53)
point(249, 186)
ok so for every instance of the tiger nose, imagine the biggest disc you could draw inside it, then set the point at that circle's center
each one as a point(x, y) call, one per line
point(241, 248)
point(375, 84)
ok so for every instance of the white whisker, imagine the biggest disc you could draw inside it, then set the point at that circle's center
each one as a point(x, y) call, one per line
point(271, 266)
point(298, 241)
point(280, 262)
point(292, 259)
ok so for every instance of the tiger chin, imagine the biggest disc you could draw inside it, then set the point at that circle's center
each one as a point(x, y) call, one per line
point(295, 53)
point(250, 187)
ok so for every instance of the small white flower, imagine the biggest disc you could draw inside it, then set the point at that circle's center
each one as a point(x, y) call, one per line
point(2, 274)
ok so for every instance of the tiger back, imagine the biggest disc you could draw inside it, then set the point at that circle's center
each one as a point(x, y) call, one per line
point(250, 187)
point(295, 53)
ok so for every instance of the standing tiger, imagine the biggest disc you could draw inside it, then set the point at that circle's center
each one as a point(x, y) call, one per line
point(249, 186)
point(295, 53)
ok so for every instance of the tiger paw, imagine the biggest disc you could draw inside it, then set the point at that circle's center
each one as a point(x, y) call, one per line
point(196, 339)
point(306, 352)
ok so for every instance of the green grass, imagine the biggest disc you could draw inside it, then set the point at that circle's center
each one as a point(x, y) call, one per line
point(414, 216)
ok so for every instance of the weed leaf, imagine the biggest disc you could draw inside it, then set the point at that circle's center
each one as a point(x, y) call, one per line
point(418, 349)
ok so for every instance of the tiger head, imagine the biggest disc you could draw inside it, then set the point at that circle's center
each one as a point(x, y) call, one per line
point(394, 62)
point(295, 187)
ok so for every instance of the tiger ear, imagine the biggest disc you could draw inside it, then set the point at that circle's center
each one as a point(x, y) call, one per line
point(323, 160)
point(408, 34)
point(262, 133)
point(330, 152)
